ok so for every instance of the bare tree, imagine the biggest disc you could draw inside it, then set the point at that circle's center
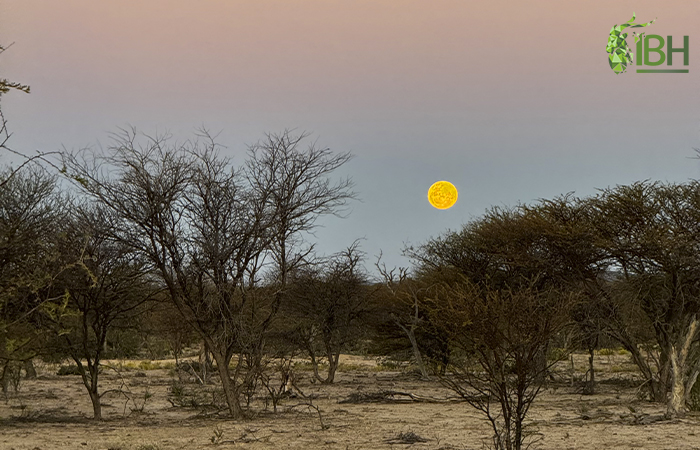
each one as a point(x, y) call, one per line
point(297, 187)
point(105, 284)
point(294, 184)
point(206, 228)
point(327, 303)
point(184, 209)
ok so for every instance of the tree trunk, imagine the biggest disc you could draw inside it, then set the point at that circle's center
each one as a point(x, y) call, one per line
point(314, 362)
point(230, 391)
point(96, 404)
point(4, 377)
point(656, 388)
point(589, 388)
point(90, 378)
point(205, 365)
point(417, 354)
point(681, 372)
point(677, 396)
point(410, 332)
point(692, 379)
point(332, 367)
point(29, 369)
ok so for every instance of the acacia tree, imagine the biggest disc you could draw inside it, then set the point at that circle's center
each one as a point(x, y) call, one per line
point(498, 334)
point(298, 189)
point(294, 184)
point(402, 323)
point(551, 242)
point(327, 303)
point(207, 227)
point(187, 212)
point(403, 306)
point(651, 231)
point(515, 275)
point(31, 211)
point(104, 284)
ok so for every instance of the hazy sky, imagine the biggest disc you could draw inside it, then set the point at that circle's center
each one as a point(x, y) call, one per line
point(509, 100)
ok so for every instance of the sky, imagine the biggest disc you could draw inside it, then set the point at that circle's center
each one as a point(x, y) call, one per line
point(510, 101)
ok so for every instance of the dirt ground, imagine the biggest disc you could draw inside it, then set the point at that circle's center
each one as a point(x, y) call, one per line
point(53, 412)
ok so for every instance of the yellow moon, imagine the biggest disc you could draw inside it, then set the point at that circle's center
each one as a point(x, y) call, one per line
point(442, 195)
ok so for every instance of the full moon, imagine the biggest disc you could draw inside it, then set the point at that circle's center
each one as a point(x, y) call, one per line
point(442, 195)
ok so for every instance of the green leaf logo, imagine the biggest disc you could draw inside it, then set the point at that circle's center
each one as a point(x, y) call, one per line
point(619, 54)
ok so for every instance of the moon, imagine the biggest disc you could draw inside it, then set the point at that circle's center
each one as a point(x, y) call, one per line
point(442, 195)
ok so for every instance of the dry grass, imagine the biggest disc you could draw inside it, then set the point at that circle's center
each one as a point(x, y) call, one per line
point(52, 413)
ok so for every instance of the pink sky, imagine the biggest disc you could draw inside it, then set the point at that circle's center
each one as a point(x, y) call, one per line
point(511, 101)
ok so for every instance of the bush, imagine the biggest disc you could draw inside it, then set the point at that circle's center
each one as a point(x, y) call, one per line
point(557, 354)
point(180, 395)
point(70, 369)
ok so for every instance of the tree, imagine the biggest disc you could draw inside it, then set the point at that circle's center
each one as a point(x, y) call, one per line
point(551, 242)
point(31, 211)
point(501, 289)
point(207, 228)
point(632, 253)
point(105, 284)
point(498, 334)
point(295, 185)
point(402, 323)
point(327, 304)
point(651, 233)
point(188, 213)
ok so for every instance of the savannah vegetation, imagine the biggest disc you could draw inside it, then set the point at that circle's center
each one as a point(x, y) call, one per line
point(148, 248)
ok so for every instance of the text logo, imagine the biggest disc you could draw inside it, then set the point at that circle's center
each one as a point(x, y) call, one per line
point(620, 55)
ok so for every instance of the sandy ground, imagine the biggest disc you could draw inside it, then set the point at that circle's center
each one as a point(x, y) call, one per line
point(53, 412)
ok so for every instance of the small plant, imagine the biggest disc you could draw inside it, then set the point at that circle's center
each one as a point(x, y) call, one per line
point(391, 364)
point(408, 437)
point(183, 397)
point(70, 369)
point(310, 405)
point(51, 394)
point(606, 352)
point(218, 435)
point(139, 406)
point(583, 410)
point(26, 413)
